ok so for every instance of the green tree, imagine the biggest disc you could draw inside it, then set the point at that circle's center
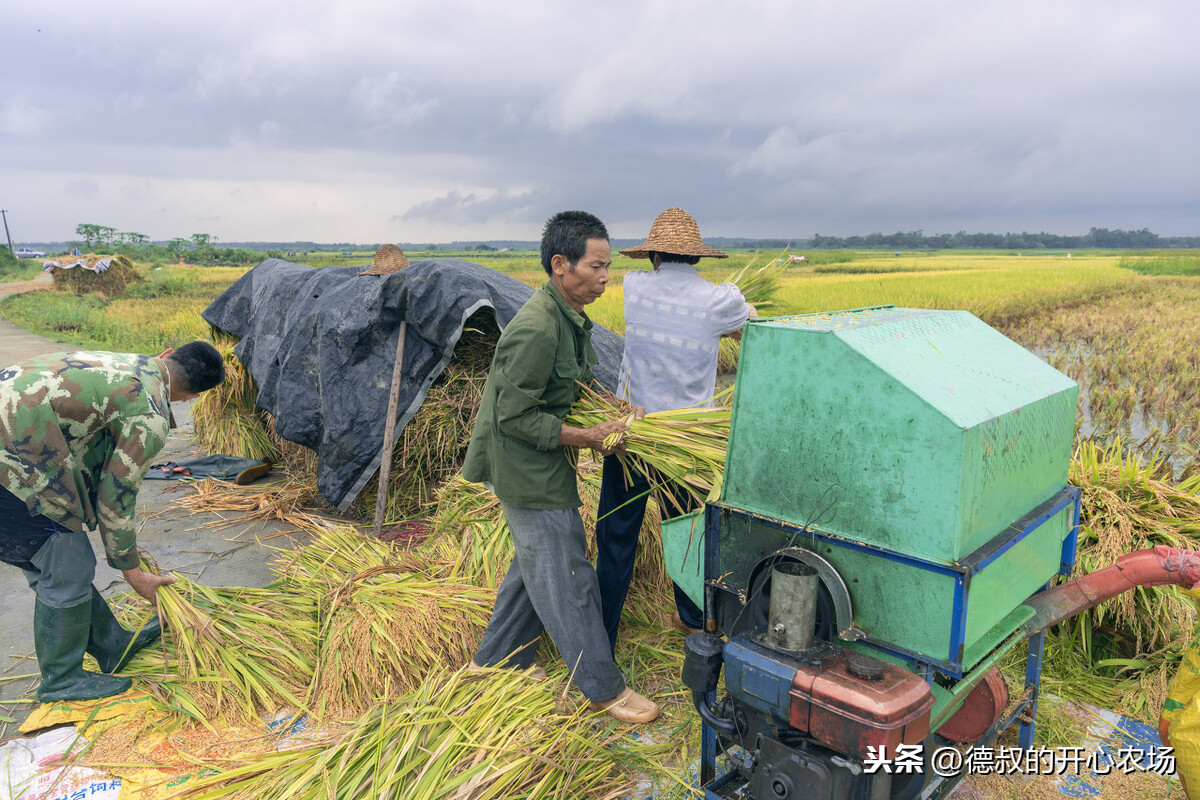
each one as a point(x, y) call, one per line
point(89, 232)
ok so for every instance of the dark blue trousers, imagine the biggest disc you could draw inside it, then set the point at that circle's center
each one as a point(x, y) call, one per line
point(621, 511)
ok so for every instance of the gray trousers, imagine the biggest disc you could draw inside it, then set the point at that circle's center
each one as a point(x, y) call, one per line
point(63, 570)
point(551, 585)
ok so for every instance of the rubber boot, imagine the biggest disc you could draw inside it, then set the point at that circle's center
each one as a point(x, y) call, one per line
point(110, 642)
point(60, 637)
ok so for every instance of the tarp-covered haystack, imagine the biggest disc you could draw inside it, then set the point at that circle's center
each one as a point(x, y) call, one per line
point(319, 347)
point(110, 275)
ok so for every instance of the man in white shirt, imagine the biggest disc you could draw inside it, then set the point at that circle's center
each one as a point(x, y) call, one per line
point(674, 321)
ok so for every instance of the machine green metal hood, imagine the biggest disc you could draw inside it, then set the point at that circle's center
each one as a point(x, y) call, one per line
point(925, 432)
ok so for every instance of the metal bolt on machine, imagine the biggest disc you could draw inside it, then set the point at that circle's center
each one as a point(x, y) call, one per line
point(894, 509)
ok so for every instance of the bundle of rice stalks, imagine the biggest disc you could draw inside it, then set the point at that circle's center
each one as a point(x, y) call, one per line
point(759, 284)
point(1130, 504)
point(230, 654)
point(431, 447)
point(225, 417)
point(110, 282)
point(280, 501)
point(337, 553)
point(470, 535)
point(384, 630)
point(463, 736)
point(685, 446)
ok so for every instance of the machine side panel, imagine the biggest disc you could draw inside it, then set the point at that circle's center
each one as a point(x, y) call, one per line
point(853, 438)
point(1020, 572)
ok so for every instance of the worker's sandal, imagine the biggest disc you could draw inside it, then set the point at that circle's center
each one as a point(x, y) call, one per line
point(678, 624)
point(629, 706)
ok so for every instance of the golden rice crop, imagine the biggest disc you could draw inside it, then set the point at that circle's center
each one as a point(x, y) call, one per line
point(226, 419)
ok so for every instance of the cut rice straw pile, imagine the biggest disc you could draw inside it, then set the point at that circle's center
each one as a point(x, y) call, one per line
point(279, 501)
point(447, 739)
point(383, 631)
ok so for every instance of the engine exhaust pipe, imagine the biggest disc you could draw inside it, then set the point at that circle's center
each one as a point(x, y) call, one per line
point(793, 610)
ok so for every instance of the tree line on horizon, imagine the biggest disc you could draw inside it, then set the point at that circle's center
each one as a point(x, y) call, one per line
point(1101, 238)
point(202, 248)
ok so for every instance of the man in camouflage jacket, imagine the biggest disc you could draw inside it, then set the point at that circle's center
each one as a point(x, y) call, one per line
point(78, 432)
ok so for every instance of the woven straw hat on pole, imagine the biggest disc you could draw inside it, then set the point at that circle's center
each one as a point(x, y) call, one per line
point(388, 259)
point(674, 231)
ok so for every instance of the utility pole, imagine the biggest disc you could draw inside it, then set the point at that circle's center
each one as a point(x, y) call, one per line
point(4, 213)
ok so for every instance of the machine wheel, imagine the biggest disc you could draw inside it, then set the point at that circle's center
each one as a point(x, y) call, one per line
point(983, 706)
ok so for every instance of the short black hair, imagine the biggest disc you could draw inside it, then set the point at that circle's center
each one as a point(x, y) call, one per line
point(567, 233)
point(197, 367)
point(673, 258)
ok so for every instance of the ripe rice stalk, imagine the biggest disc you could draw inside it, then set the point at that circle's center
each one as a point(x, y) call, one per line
point(685, 446)
point(1131, 504)
point(470, 536)
point(1124, 651)
point(230, 654)
point(384, 630)
point(430, 448)
point(458, 735)
point(280, 501)
point(226, 418)
point(336, 553)
point(759, 283)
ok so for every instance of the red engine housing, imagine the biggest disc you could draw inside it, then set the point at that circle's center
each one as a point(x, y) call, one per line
point(848, 702)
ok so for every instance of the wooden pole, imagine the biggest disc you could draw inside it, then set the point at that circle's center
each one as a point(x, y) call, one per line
point(389, 432)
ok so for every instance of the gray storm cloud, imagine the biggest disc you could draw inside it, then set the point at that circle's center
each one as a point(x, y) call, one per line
point(424, 121)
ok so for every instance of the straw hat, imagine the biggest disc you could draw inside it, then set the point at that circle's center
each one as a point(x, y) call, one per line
point(674, 231)
point(388, 259)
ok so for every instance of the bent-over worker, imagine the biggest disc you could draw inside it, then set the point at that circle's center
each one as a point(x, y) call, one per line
point(77, 433)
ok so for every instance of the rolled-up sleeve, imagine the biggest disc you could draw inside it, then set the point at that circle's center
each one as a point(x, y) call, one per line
point(729, 310)
point(523, 371)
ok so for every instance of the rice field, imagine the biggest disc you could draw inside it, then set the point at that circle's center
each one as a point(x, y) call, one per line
point(1123, 325)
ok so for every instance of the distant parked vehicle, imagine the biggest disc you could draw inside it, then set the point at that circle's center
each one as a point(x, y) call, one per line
point(29, 252)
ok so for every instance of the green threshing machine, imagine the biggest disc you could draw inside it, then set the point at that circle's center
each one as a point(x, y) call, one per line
point(895, 502)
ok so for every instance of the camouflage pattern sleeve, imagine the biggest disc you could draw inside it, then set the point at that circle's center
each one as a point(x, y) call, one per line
point(137, 439)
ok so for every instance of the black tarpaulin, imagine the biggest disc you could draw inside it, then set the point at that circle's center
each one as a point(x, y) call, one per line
point(320, 343)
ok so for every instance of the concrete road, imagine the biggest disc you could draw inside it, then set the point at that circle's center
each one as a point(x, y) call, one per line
point(179, 542)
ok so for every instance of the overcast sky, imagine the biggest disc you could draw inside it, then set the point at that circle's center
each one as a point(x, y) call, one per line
point(418, 121)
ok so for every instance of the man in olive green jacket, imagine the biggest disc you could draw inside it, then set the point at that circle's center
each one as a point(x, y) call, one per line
point(519, 449)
